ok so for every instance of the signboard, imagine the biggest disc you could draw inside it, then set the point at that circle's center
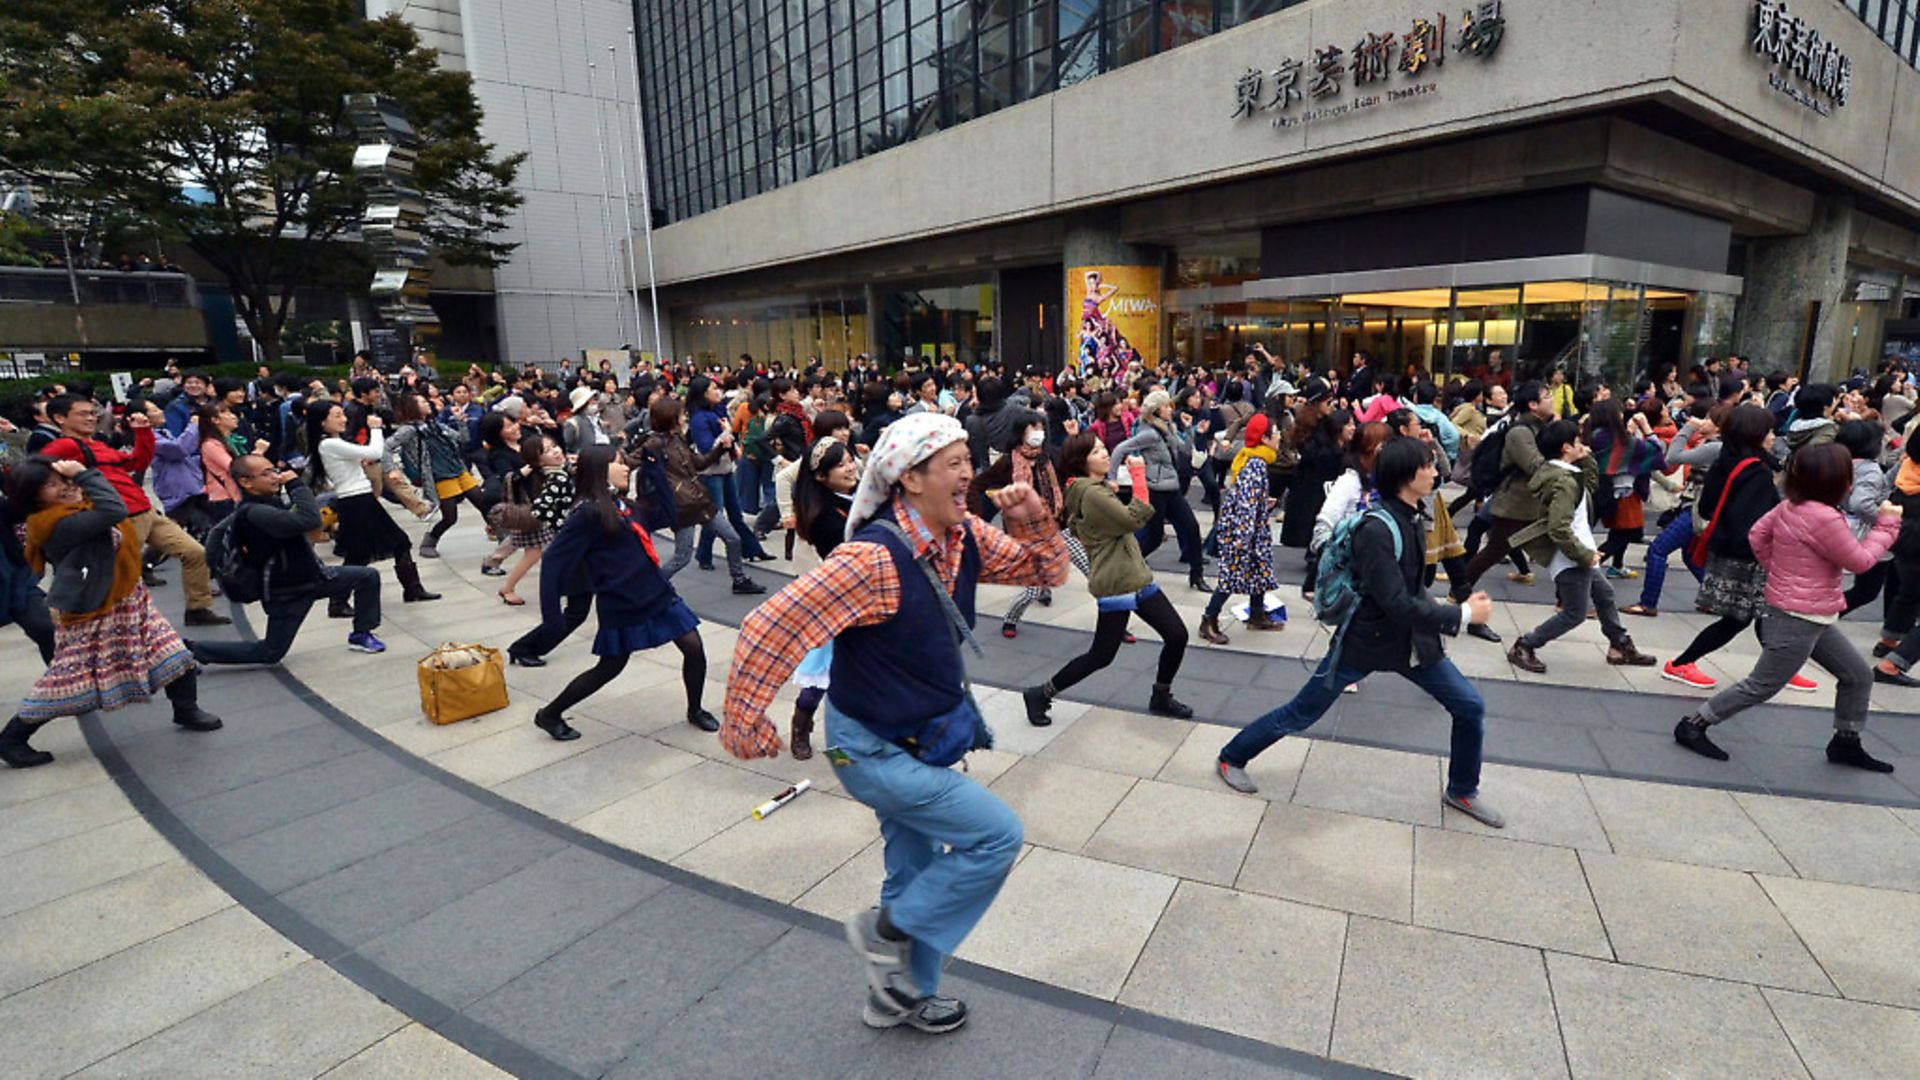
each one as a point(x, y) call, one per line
point(1119, 320)
point(122, 386)
point(1806, 66)
point(1385, 66)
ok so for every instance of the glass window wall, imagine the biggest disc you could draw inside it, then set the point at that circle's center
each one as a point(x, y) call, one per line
point(743, 96)
point(1616, 331)
point(789, 331)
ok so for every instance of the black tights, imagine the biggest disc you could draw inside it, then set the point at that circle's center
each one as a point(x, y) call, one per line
point(1715, 635)
point(450, 512)
point(693, 673)
point(1111, 631)
point(1614, 548)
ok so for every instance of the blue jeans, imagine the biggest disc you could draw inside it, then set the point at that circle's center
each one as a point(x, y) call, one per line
point(726, 500)
point(1676, 536)
point(747, 482)
point(1443, 681)
point(934, 894)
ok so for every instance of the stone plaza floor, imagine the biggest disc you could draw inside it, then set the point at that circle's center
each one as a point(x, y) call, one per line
point(333, 886)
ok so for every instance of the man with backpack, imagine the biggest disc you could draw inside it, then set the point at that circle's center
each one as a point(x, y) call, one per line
point(261, 551)
point(1376, 562)
point(1503, 464)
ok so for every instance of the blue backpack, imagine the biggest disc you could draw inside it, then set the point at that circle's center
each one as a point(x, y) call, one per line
point(1337, 595)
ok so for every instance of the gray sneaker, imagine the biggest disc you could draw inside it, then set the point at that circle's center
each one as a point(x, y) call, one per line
point(1477, 809)
point(1235, 777)
point(883, 958)
point(931, 1014)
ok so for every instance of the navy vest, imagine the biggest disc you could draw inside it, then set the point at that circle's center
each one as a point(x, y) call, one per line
point(896, 675)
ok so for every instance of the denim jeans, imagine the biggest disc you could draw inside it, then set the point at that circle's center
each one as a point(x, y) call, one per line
point(950, 843)
point(1674, 537)
point(285, 616)
point(1443, 681)
point(726, 501)
point(746, 481)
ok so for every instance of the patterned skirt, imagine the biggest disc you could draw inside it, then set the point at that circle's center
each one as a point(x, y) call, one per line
point(1734, 588)
point(125, 656)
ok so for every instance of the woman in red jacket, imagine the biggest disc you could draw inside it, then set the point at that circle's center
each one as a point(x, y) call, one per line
point(1806, 546)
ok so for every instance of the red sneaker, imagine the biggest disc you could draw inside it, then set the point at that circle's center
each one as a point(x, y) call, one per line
point(1802, 684)
point(1689, 674)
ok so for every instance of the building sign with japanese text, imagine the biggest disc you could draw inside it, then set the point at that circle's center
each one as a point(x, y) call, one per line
point(1384, 66)
point(1806, 66)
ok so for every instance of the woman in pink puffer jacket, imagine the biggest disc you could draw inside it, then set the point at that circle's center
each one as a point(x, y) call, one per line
point(1806, 545)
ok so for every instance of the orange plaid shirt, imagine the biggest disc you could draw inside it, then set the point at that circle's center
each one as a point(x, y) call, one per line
point(858, 585)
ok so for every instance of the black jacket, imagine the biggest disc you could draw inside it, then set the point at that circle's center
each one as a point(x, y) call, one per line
point(274, 535)
point(1397, 620)
point(1752, 496)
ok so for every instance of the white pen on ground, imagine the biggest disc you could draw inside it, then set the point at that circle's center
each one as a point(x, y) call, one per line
point(781, 799)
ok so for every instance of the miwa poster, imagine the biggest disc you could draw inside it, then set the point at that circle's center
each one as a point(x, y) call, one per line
point(1119, 309)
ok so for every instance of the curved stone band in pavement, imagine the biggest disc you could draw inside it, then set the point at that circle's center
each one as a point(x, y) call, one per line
point(550, 952)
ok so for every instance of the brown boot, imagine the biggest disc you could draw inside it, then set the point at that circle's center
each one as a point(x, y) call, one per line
point(1625, 655)
point(799, 746)
point(1522, 657)
point(1210, 631)
point(1260, 620)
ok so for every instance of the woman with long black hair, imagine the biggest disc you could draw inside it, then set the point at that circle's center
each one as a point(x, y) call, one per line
point(1323, 457)
point(1120, 580)
point(638, 608)
point(822, 497)
point(367, 534)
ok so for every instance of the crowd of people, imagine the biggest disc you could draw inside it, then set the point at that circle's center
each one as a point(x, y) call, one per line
point(914, 487)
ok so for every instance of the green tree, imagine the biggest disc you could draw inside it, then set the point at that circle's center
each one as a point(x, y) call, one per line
point(222, 123)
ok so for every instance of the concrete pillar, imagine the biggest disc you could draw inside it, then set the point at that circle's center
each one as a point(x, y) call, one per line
point(1785, 276)
point(1093, 239)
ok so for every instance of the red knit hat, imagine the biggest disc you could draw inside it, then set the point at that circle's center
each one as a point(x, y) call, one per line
point(1257, 426)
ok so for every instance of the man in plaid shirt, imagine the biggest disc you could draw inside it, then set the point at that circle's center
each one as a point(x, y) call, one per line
point(897, 662)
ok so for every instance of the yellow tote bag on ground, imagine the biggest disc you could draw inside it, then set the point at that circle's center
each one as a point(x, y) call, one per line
point(458, 682)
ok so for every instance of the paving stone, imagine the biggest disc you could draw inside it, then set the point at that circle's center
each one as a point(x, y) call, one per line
point(1643, 755)
point(1343, 861)
point(517, 751)
point(1006, 714)
point(591, 1004)
point(1387, 784)
point(416, 1053)
point(1622, 1021)
point(241, 812)
point(299, 1023)
point(677, 814)
point(69, 770)
point(483, 940)
point(1688, 825)
point(1183, 831)
point(71, 932)
point(1009, 1035)
point(413, 733)
point(1794, 770)
point(1849, 1040)
point(1061, 805)
point(1070, 921)
point(853, 886)
point(300, 851)
point(1193, 764)
point(1122, 742)
point(805, 994)
point(192, 765)
point(1868, 940)
point(788, 852)
point(79, 862)
point(1133, 1054)
point(62, 814)
point(576, 786)
point(1540, 805)
point(1698, 920)
point(1529, 741)
point(1839, 842)
point(1507, 890)
point(1431, 1004)
point(85, 1015)
point(405, 882)
point(1290, 951)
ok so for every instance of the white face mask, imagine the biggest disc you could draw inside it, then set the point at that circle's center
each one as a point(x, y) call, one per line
point(1036, 438)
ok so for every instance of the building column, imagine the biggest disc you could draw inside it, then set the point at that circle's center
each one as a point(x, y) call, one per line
point(1093, 242)
point(1785, 277)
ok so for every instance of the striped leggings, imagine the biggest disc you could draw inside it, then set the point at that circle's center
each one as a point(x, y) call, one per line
point(1033, 592)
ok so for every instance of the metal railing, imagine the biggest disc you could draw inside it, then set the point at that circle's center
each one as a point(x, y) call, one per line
point(35, 285)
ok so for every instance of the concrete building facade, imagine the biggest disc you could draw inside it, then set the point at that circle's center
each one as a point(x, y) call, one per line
point(563, 290)
point(1603, 187)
